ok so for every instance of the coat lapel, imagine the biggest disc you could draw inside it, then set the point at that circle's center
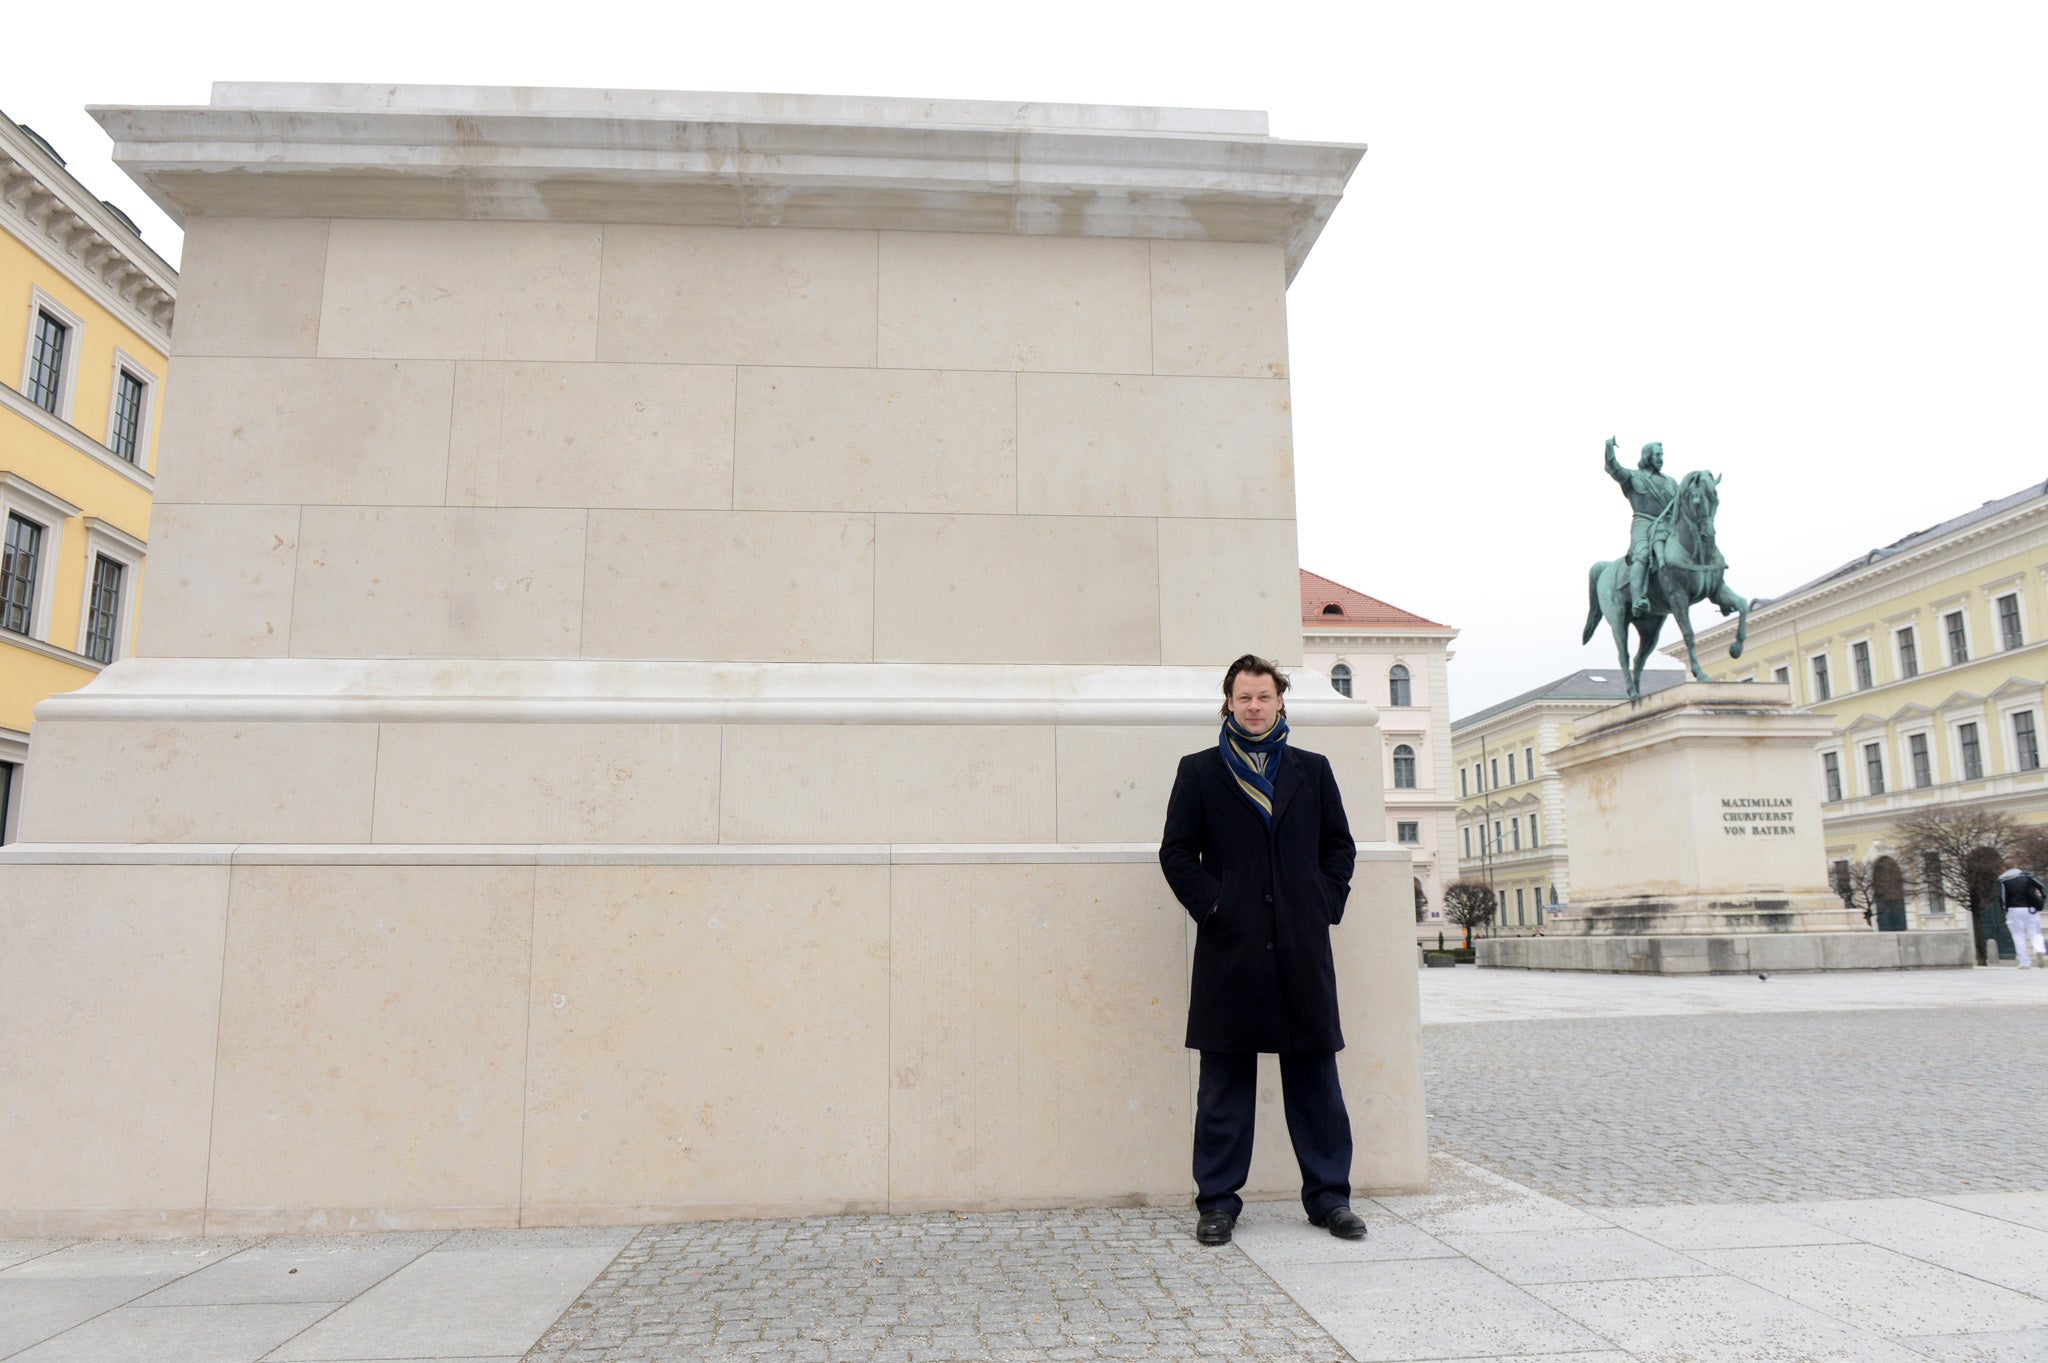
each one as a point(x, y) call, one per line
point(1285, 784)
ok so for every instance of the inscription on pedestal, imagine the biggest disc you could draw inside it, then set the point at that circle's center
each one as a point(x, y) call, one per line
point(1757, 816)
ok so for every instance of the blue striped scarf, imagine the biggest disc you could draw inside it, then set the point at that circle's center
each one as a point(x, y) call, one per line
point(1237, 746)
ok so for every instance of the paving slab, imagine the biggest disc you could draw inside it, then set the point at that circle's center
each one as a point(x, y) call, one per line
point(1715, 1320)
point(1463, 1197)
point(1412, 1309)
point(2026, 1209)
point(178, 1334)
point(455, 1304)
point(1574, 1256)
point(1881, 1290)
point(1737, 1227)
point(14, 1252)
point(2023, 1346)
point(1970, 1242)
point(1276, 1235)
point(310, 1269)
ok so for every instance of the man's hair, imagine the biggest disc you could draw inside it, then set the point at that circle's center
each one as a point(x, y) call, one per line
point(1655, 447)
point(1258, 667)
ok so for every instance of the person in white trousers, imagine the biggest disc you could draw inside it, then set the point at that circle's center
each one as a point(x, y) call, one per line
point(2023, 895)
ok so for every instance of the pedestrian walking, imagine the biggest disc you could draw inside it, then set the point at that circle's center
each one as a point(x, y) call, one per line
point(2022, 895)
point(1258, 851)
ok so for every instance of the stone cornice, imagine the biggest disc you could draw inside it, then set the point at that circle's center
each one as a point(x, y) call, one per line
point(737, 161)
point(76, 235)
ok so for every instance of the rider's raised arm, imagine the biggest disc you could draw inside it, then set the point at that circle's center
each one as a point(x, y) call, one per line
point(1614, 468)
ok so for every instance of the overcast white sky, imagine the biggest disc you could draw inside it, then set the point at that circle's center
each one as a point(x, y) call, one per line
point(1803, 244)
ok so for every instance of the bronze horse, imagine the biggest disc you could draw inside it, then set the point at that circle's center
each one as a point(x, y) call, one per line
point(1685, 568)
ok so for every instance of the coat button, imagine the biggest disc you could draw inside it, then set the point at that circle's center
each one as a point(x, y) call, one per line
point(1269, 899)
point(1269, 946)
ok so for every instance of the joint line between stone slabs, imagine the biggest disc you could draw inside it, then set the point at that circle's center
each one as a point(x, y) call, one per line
point(227, 905)
point(396, 1270)
point(526, 1059)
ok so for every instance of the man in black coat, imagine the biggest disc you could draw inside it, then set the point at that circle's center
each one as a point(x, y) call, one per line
point(1257, 850)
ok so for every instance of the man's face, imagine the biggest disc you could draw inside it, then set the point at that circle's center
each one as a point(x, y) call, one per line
point(1653, 458)
point(1254, 702)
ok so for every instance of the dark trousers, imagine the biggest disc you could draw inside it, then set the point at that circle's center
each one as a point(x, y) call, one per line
point(1226, 1102)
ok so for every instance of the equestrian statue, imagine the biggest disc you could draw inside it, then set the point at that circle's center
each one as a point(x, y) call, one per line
point(1671, 563)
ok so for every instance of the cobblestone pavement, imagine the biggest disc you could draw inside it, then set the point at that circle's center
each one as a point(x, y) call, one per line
point(1095, 1284)
point(1712, 1108)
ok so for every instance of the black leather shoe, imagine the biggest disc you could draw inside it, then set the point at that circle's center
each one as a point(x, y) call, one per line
point(1343, 1223)
point(1214, 1228)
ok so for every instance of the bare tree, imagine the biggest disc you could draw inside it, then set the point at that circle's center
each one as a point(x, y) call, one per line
point(1856, 883)
point(1469, 904)
point(1955, 852)
point(2030, 849)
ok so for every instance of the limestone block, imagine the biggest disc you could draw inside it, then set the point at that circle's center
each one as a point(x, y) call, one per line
point(461, 290)
point(220, 581)
point(109, 991)
point(1133, 445)
point(876, 440)
point(802, 783)
point(569, 435)
point(708, 1040)
point(1006, 983)
point(732, 295)
point(1113, 781)
point(372, 1047)
point(547, 783)
point(1017, 589)
point(982, 301)
point(251, 286)
point(1380, 1066)
point(464, 582)
point(1224, 590)
point(200, 782)
point(748, 586)
point(325, 432)
point(1219, 308)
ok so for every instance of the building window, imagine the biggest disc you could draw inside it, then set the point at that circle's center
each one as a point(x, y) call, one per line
point(1503, 906)
point(1930, 876)
point(1529, 763)
point(1494, 762)
point(1909, 653)
point(1973, 754)
point(1521, 915)
point(1404, 767)
point(1468, 844)
point(1408, 831)
point(1553, 894)
point(1511, 769)
point(1782, 676)
point(1859, 658)
point(2024, 745)
point(1515, 827)
point(1873, 768)
point(1831, 768)
point(124, 432)
point(1464, 784)
point(1958, 639)
point(46, 362)
point(1923, 769)
point(103, 609)
point(1820, 678)
point(1534, 841)
point(1340, 679)
point(18, 568)
point(2009, 631)
point(1397, 685)
point(1498, 845)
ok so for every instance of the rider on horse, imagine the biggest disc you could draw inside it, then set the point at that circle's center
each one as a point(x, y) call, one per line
point(1649, 494)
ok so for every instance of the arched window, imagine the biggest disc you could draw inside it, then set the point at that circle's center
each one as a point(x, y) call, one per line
point(1333, 609)
point(1421, 902)
point(1404, 767)
point(1340, 677)
point(1397, 686)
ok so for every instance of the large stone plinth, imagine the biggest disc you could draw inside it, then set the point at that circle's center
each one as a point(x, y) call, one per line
point(669, 623)
point(1696, 846)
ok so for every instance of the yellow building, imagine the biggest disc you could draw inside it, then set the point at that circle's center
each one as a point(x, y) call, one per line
point(85, 324)
point(1510, 810)
point(1929, 655)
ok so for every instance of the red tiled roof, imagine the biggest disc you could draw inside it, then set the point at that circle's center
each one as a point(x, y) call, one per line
point(1354, 609)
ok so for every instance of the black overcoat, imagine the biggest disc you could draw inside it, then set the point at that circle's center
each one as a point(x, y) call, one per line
point(1264, 903)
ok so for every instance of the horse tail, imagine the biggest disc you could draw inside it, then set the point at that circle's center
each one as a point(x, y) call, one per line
point(1593, 612)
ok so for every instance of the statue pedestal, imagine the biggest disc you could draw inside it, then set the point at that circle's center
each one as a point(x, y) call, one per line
point(1697, 848)
point(670, 622)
